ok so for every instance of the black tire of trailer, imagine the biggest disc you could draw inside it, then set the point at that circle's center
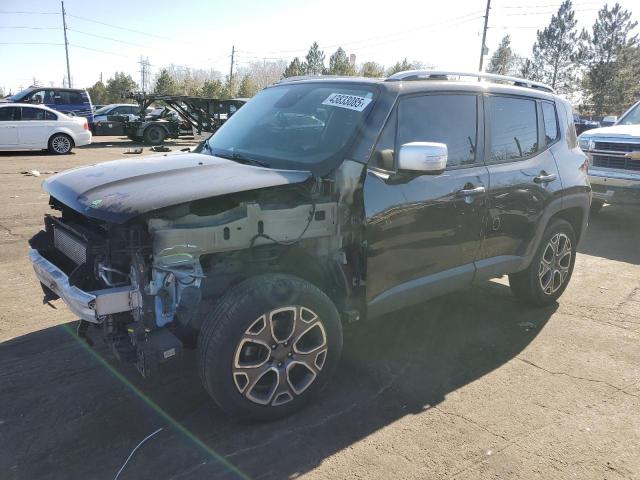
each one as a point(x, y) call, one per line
point(154, 135)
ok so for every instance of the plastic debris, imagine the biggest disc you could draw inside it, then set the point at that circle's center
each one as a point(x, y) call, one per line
point(134, 150)
point(160, 148)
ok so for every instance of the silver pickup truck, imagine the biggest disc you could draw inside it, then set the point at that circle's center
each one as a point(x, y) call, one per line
point(614, 160)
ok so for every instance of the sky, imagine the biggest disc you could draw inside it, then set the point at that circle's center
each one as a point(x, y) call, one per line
point(111, 35)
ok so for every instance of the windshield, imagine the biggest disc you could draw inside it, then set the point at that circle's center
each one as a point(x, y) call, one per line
point(103, 110)
point(632, 117)
point(295, 126)
point(19, 96)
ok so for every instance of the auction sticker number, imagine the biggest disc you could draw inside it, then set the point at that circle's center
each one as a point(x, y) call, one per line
point(352, 102)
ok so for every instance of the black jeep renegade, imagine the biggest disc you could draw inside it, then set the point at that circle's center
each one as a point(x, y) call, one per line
point(321, 201)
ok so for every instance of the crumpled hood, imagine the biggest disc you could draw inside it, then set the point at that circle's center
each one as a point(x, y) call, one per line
point(120, 190)
point(615, 131)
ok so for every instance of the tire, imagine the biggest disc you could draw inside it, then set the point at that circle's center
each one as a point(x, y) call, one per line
point(154, 135)
point(537, 286)
point(60, 144)
point(238, 364)
point(596, 206)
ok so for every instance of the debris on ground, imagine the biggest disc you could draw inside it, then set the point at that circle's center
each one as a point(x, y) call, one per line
point(160, 148)
point(31, 173)
point(186, 149)
point(134, 150)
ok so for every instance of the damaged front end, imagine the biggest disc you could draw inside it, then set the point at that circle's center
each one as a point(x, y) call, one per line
point(148, 282)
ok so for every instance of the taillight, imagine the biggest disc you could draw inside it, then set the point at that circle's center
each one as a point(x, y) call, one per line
point(85, 125)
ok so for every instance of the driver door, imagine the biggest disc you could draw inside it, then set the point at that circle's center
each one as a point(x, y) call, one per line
point(424, 232)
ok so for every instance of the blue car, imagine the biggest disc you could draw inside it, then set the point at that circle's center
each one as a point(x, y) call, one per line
point(74, 101)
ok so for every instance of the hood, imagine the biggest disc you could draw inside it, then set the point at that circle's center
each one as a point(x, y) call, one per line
point(120, 190)
point(615, 131)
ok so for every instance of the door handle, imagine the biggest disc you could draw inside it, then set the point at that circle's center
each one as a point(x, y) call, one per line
point(465, 192)
point(545, 177)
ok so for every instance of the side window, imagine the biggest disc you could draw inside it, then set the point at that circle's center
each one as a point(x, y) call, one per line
point(75, 98)
point(550, 122)
point(384, 155)
point(32, 113)
point(448, 119)
point(514, 128)
point(7, 114)
point(49, 97)
point(50, 115)
point(37, 97)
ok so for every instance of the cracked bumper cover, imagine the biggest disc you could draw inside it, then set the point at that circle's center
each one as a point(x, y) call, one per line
point(89, 306)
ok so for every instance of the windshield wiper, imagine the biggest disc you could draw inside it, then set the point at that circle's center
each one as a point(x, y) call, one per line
point(236, 157)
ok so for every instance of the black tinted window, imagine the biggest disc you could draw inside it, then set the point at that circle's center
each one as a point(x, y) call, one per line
point(448, 119)
point(514, 128)
point(32, 113)
point(63, 97)
point(50, 115)
point(8, 113)
point(550, 122)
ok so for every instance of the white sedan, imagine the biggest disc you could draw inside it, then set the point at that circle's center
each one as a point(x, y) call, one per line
point(36, 127)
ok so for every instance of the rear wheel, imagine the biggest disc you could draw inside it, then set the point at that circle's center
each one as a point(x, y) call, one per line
point(60, 144)
point(550, 271)
point(596, 206)
point(154, 135)
point(269, 346)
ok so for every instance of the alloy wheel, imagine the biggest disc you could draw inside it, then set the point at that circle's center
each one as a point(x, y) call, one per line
point(280, 355)
point(555, 263)
point(61, 144)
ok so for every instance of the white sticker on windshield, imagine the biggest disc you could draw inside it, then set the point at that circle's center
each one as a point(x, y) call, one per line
point(352, 102)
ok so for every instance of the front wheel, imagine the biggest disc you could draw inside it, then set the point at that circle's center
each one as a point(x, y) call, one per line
point(270, 345)
point(60, 144)
point(550, 271)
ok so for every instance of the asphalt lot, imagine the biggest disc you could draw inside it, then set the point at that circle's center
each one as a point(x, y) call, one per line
point(472, 385)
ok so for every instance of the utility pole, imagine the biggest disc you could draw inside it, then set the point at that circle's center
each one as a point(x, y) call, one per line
point(66, 44)
point(144, 73)
point(484, 34)
point(233, 52)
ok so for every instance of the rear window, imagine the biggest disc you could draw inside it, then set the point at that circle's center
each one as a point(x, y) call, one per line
point(514, 128)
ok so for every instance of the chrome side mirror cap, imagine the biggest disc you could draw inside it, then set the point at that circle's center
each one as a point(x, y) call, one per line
point(423, 157)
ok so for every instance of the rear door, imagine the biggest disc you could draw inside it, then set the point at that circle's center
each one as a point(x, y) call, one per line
point(9, 117)
point(523, 178)
point(424, 231)
point(34, 128)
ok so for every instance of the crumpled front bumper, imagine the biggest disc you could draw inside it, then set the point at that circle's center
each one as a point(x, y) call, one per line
point(89, 306)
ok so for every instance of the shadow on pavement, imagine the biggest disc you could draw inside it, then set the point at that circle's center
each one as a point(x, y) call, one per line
point(614, 233)
point(70, 412)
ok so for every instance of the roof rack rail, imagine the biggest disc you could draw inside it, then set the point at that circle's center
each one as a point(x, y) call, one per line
point(409, 75)
point(297, 78)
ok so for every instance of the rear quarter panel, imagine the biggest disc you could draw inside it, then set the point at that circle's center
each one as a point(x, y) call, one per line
point(572, 165)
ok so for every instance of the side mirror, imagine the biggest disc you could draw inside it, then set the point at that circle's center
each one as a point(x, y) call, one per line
point(423, 157)
point(610, 120)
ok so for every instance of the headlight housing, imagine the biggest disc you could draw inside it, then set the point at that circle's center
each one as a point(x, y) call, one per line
point(586, 143)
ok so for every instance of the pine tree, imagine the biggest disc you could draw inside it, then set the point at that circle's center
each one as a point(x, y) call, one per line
point(401, 67)
point(339, 64)
point(247, 87)
point(295, 69)
point(212, 89)
point(165, 83)
point(118, 86)
point(372, 69)
point(314, 64)
point(503, 60)
point(608, 56)
point(556, 50)
point(98, 93)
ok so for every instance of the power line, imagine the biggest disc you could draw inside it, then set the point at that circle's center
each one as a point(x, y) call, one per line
point(123, 28)
point(29, 28)
point(30, 43)
point(107, 38)
point(29, 13)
